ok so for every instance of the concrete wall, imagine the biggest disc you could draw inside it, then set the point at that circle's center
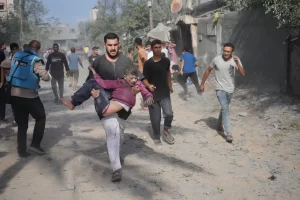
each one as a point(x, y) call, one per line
point(207, 47)
point(294, 84)
point(258, 43)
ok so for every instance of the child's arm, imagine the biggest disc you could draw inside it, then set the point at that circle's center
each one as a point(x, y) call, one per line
point(145, 93)
point(105, 84)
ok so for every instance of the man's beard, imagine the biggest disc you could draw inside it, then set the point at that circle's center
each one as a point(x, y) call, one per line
point(112, 57)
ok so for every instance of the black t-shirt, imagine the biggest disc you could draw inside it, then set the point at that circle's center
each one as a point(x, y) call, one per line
point(92, 58)
point(157, 74)
point(56, 63)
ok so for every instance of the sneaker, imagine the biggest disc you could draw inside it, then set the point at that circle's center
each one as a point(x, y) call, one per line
point(37, 149)
point(24, 154)
point(168, 137)
point(116, 176)
point(229, 139)
point(157, 142)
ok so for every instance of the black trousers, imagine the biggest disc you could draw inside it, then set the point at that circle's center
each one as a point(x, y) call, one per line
point(22, 108)
point(2, 104)
point(183, 78)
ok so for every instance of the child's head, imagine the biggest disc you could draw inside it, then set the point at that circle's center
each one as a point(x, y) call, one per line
point(131, 75)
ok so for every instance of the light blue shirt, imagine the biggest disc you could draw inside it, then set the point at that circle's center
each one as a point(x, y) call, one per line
point(73, 61)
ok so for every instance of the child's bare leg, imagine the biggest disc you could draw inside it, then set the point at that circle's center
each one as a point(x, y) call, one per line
point(113, 107)
point(68, 102)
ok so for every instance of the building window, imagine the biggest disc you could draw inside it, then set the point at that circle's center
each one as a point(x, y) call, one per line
point(2, 7)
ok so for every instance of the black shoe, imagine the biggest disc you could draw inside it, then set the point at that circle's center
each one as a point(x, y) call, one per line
point(37, 149)
point(24, 154)
point(116, 176)
point(56, 100)
point(14, 123)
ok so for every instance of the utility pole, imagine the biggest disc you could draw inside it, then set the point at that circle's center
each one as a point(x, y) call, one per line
point(21, 20)
point(150, 14)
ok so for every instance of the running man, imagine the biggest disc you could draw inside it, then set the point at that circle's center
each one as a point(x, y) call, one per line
point(111, 66)
point(225, 66)
point(142, 54)
point(74, 59)
point(56, 62)
point(188, 70)
point(24, 96)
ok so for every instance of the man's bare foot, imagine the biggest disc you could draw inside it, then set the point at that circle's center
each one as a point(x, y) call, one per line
point(68, 102)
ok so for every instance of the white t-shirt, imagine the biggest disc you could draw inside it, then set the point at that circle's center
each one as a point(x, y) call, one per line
point(149, 54)
point(166, 52)
point(224, 73)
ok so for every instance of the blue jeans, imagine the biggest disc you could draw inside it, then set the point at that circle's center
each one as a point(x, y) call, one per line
point(84, 93)
point(155, 115)
point(224, 117)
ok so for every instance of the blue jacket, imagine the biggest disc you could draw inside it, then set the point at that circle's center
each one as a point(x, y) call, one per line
point(22, 70)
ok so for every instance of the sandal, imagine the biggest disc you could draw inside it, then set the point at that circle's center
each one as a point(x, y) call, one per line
point(168, 137)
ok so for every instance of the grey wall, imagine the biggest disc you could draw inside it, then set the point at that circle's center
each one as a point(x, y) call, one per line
point(294, 84)
point(207, 48)
point(258, 43)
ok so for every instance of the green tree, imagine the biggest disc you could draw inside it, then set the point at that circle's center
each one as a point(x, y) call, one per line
point(30, 14)
point(128, 18)
point(287, 12)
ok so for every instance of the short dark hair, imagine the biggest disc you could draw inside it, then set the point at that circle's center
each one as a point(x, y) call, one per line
point(229, 45)
point(131, 70)
point(2, 43)
point(130, 49)
point(55, 45)
point(110, 36)
point(35, 45)
point(95, 48)
point(155, 42)
point(73, 50)
point(138, 41)
point(148, 43)
point(25, 46)
point(13, 46)
point(186, 49)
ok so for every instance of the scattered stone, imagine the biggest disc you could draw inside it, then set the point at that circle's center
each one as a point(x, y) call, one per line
point(243, 114)
point(272, 178)
point(275, 126)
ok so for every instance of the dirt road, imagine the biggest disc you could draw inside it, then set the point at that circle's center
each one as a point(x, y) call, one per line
point(262, 163)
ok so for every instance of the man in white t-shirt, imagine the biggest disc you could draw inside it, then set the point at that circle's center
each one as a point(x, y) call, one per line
point(225, 66)
point(165, 50)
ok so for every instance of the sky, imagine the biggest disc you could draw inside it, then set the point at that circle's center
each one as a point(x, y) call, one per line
point(70, 11)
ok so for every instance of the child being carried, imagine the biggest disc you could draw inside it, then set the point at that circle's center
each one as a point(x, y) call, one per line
point(122, 97)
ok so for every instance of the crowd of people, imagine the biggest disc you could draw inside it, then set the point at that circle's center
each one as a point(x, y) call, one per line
point(114, 83)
